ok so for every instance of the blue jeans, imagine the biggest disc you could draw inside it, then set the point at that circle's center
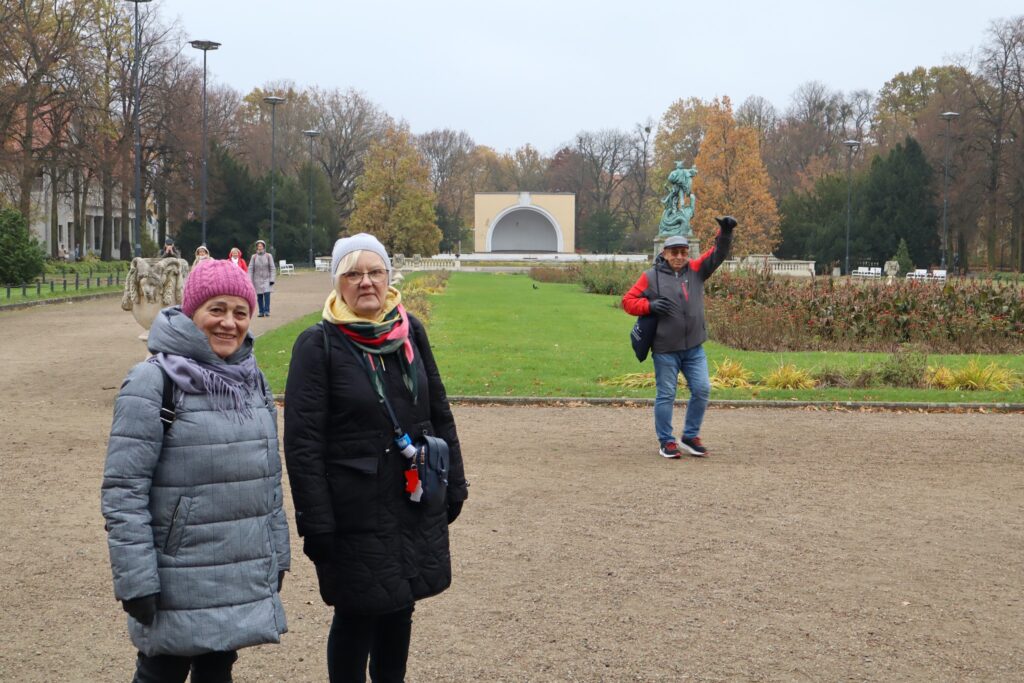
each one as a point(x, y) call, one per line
point(667, 366)
point(263, 300)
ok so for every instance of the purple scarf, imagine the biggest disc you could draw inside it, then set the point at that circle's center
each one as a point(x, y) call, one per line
point(227, 385)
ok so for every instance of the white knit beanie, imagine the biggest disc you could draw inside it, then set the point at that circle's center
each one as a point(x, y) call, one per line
point(361, 242)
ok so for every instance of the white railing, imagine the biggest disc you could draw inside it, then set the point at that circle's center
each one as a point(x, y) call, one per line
point(417, 262)
point(777, 266)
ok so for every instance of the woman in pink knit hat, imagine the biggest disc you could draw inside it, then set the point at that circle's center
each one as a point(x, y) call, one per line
point(192, 488)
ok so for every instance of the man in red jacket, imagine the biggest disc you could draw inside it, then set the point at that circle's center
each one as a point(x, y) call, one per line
point(673, 289)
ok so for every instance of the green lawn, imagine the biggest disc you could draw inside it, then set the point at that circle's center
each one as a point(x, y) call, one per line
point(499, 335)
point(14, 295)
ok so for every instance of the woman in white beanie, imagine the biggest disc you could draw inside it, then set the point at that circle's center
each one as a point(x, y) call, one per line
point(376, 551)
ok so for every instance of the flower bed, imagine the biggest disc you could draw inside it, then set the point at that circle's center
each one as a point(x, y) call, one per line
point(758, 312)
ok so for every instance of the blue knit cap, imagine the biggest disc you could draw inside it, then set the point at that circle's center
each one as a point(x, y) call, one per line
point(361, 242)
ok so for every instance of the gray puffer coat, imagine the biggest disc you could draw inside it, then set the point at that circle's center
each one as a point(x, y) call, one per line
point(195, 514)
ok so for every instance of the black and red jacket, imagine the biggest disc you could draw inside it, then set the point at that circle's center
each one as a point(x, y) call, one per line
point(683, 328)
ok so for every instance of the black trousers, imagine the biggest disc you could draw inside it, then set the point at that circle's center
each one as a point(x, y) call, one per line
point(384, 638)
point(212, 667)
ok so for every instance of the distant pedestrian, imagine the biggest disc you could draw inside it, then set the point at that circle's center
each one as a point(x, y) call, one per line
point(191, 491)
point(263, 273)
point(202, 253)
point(169, 250)
point(673, 289)
point(235, 256)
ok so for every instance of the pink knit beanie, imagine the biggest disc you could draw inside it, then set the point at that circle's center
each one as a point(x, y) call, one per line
point(212, 277)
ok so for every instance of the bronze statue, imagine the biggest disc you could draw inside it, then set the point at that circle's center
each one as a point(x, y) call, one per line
point(680, 203)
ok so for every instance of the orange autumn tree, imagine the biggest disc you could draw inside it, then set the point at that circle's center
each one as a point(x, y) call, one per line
point(731, 179)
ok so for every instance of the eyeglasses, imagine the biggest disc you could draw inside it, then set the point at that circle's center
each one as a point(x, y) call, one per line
point(377, 276)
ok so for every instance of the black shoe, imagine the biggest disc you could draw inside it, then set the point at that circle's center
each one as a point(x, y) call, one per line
point(693, 447)
point(669, 450)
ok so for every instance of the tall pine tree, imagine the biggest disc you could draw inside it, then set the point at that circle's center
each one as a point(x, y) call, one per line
point(898, 202)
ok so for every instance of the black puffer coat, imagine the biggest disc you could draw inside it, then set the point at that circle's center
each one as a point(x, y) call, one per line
point(347, 476)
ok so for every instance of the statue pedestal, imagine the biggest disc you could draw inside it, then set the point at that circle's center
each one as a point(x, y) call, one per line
point(694, 245)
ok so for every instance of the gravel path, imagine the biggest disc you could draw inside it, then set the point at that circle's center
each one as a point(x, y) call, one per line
point(811, 545)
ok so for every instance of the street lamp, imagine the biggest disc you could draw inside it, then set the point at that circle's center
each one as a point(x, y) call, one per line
point(138, 134)
point(311, 134)
point(948, 117)
point(273, 101)
point(851, 148)
point(205, 46)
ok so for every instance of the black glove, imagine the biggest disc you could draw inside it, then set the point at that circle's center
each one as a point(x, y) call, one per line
point(454, 510)
point(271, 283)
point(280, 580)
point(727, 223)
point(142, 610)
point(661, 306)
point(319, 548)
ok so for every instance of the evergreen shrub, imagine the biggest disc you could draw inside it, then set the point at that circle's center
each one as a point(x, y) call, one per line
point(21, 255)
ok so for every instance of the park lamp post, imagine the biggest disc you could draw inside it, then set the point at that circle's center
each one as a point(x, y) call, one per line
point(312, 135)
point(205, 46)
point(136, 132)
point(851, 149)
point(273, 101)
point(948, 116)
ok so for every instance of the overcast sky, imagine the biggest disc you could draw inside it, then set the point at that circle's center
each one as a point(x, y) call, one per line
point(539, 71)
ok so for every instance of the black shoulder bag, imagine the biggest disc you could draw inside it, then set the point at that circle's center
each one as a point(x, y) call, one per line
point(642, 334)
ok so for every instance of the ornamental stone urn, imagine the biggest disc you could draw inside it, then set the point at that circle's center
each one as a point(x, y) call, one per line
point(153, 284)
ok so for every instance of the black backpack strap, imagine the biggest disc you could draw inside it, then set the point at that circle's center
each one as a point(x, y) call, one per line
point(653, 273)
point(167, 412)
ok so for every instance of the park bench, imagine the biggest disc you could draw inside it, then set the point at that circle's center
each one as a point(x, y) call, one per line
point(323, 263)
point(867, 272)
point(285, 268)
point(939, 275)
point(918, 274)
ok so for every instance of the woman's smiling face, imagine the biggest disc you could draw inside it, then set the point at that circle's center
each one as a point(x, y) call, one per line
point(224, 319)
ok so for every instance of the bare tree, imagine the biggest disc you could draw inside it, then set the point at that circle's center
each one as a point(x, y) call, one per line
point(605, 157)
point(38, 45)
point(996, 104)
point(453, 172)
point(638, 196)
point(446, 151)
point(758, 113)
point(348, 122)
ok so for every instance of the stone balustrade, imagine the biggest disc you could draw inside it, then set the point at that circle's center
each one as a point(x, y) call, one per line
point(417, 262)
point(767, 261)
